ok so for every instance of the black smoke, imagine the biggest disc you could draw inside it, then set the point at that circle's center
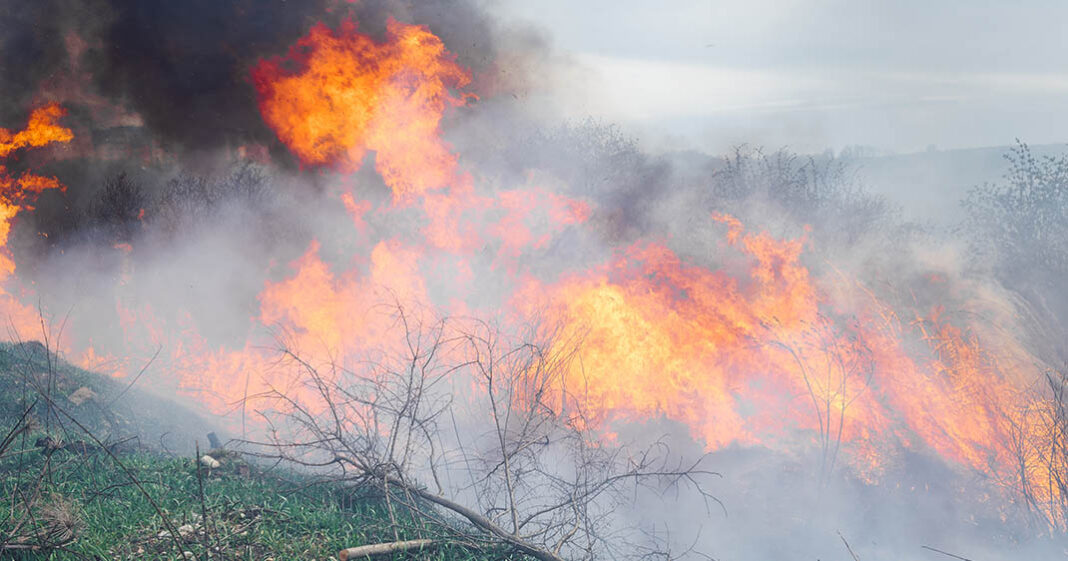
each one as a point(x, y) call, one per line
point(184, 66)
point(31, 46)
point(176, 73)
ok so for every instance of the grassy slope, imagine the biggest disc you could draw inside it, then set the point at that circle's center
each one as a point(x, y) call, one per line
point(251, 514)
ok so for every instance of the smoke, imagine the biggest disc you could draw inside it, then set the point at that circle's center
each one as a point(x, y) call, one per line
point(184, 68)
point(166, 87)
point(30, 49)
point(218, 242)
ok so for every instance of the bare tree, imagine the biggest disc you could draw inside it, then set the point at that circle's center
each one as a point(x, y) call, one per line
point(819, 191)
point(1021, 224)
point(836, 369)
point(1038, 442)
point(470, 436)
point(119, 206)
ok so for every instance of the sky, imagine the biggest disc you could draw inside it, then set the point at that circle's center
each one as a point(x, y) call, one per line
point(896, 75)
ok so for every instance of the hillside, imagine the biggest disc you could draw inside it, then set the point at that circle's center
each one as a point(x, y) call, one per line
point(86, 477)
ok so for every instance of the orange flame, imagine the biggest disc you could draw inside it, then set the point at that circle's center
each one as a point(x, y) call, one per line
point(662, 337)
point(751, 358)
point(350, 94)
point(756, 349)
point(756, 358)
point(41, 130)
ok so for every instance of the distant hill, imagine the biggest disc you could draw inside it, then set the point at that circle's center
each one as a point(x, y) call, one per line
point(930, 185)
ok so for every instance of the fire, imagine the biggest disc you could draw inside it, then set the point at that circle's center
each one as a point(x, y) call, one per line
point(349, 94)
point(756, 351)
point(661, 337)
point(762, 357)
point(41, 130)
point(749, 346)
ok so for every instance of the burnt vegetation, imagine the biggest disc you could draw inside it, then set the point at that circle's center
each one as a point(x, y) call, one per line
point(124, 207)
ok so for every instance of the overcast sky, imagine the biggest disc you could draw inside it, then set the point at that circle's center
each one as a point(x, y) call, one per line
point(810, 74)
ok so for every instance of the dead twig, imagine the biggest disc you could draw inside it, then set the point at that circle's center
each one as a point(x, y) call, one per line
point(137, 377)
point(849, 549)
point(946, 553)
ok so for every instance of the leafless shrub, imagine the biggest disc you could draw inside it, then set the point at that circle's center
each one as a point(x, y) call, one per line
point(1038, 440)
point(837, 369)
point(189, 200)
point(813, 190)
point(119, 207)
point(470, 436)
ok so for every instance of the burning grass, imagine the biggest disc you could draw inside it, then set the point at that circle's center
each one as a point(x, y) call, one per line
point(747, 334)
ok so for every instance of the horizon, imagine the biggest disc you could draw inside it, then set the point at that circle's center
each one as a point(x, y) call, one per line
point(812, 75)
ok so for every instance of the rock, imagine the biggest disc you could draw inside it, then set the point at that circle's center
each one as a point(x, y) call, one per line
point(48, 443)
point(185, 530)
point(210, 462)
point(81, 395)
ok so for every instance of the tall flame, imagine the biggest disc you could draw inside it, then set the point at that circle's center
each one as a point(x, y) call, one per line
point(349, 94)
point(750, 346)
point(41, 130)
point(757, 351)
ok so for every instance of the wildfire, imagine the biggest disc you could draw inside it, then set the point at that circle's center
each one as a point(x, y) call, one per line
point(748, 346)
point(42, 129)
point(754, 357)
point(350, 94)
point(661, 337)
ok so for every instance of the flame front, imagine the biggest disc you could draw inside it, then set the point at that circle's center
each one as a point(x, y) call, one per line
point(750, 345)
point(754, 352)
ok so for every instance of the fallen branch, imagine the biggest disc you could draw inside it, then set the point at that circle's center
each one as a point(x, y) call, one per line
point(483, 523)
point(384, 549)
point(946, 553)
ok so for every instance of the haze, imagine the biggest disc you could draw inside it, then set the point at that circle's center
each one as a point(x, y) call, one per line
point(814, 74)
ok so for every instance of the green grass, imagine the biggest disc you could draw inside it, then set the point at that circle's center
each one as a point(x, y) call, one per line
point(252, 513)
